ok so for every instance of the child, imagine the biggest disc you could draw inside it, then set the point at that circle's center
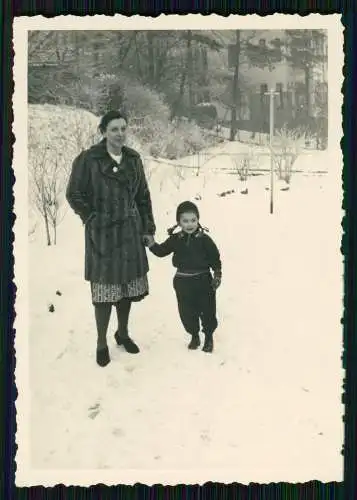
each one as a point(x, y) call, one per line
point(194, 254)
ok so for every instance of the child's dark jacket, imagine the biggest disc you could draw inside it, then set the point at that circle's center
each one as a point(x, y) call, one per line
point(191, 252)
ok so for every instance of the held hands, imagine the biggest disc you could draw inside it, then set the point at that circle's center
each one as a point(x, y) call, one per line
point(148, 240)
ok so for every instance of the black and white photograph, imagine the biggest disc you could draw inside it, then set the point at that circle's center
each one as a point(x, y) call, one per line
point(178, 203)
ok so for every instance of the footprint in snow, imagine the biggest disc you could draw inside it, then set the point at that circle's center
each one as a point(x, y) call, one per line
point(205, 436)
point(61, 354)
point(113, 382)
point(94, 411)
point(102, 466)
point(118, 432)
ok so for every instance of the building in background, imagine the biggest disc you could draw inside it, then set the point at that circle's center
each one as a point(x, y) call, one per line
point(289, 81)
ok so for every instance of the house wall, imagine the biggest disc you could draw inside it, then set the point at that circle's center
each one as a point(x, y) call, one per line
point(283, 77)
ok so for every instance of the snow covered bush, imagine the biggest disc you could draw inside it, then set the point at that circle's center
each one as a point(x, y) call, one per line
point(128, 94)
point(149, 114)
point(150, 132)
point(286, 148)
point(242, 166)
point(141, 102)
point(149, 119)
point(184, 138)
point(61, 127)
point(56, 135)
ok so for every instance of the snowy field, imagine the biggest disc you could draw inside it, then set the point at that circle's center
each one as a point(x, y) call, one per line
point(266, 405)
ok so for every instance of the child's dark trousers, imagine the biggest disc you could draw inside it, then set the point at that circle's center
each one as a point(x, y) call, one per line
point(196, 301)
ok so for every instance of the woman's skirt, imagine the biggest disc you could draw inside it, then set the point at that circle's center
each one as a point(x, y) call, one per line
point(136, 290)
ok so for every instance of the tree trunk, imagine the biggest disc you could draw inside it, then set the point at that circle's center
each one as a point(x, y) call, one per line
point(151, 57)
point(76, 44)
point(206, 92)
point(96, 57)
point(182, 85)
point(160, 59)
point(189, 72)
point(178, 101)
point(59, 47)
point(207, 95)
point(48, 235)
point(307, 91)
point(123, 52)
point(137, 56)
point(55, 232)
point(235, 89)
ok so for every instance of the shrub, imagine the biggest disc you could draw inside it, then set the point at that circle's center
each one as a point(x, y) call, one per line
point(138, 100)
point(56, 135)
point(288, 145)
point(151, 130)
point(65, 85)
point(185, 138)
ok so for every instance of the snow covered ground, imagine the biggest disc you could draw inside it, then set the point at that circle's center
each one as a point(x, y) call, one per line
point(266, 405)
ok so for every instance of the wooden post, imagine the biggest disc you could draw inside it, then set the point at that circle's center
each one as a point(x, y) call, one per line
point(271, 93)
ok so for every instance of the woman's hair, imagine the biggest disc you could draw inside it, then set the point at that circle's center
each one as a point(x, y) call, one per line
point(108, 117)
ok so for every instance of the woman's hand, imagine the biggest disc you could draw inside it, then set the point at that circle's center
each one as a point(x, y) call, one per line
point(217, 278)
point(148, 240)
point(216, 283)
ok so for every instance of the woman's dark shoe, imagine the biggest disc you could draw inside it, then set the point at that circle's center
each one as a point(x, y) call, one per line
point(128, 344)
point(208, 344)
point(103, 357)
point(195, 342)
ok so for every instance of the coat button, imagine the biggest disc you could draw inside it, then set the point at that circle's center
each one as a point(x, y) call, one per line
point(115, 170)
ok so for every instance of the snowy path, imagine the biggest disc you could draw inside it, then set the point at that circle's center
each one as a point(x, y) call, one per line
point(267, 403)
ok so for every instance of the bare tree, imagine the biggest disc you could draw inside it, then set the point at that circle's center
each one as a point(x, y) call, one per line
point(242, 165)
point(287, 148)
point(56, 188)
point(38, 190)
point(48, 181)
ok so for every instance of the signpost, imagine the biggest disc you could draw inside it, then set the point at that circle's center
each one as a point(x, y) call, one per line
point(271, 93)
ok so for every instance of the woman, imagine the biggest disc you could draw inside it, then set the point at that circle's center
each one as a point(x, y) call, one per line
point(108, 190)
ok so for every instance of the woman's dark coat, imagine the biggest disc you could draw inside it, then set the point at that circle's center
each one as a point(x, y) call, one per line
point(115, 207)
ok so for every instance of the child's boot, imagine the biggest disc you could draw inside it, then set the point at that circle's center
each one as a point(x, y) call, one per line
point(208, 344)
point(195, 341)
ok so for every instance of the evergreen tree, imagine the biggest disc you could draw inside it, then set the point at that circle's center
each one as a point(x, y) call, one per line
point(305, 51)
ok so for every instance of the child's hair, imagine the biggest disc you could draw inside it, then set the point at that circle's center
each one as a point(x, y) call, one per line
point(171, 230)
point(186, 207)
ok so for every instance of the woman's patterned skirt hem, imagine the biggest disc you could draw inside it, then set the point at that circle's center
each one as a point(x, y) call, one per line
point(136, 290)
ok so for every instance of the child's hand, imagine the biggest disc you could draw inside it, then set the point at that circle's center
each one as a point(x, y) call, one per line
point(216, 282)
point(148, 240)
